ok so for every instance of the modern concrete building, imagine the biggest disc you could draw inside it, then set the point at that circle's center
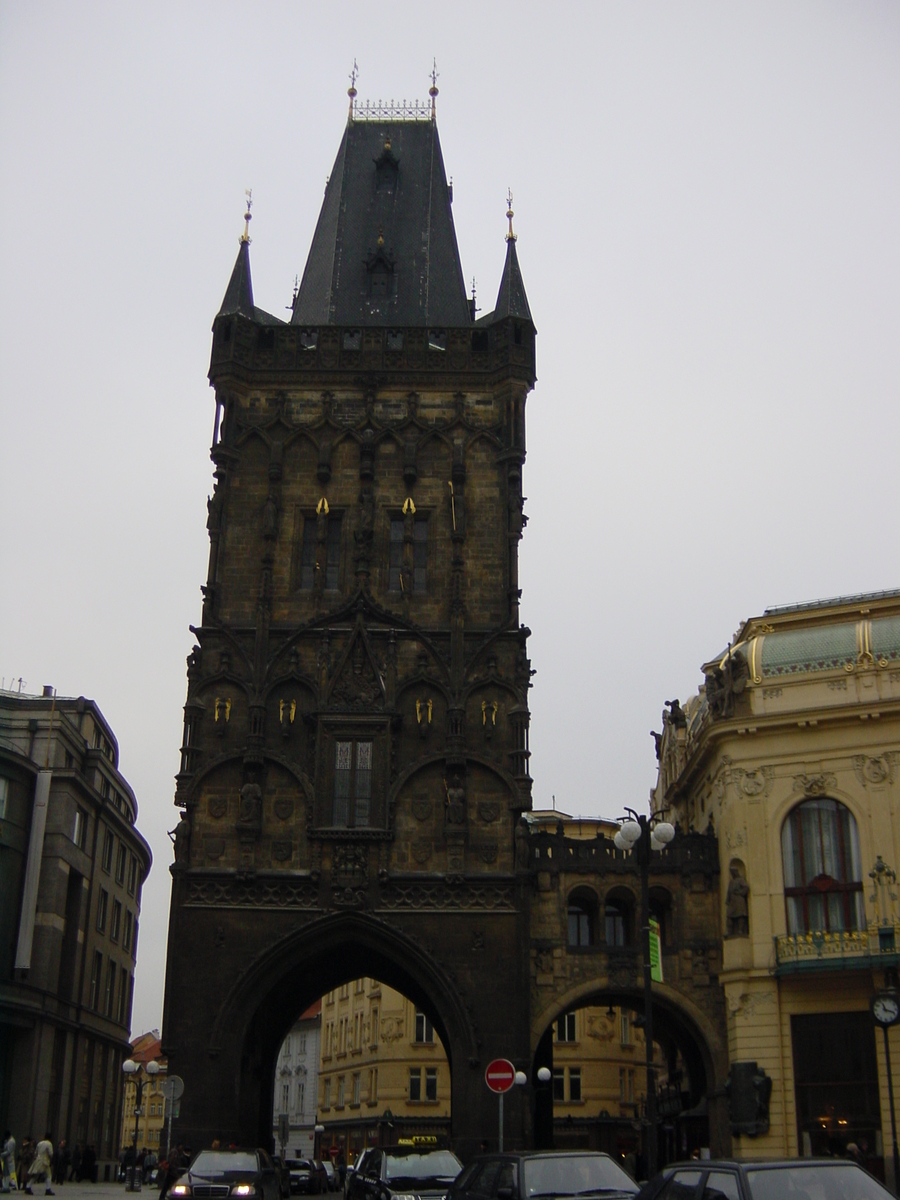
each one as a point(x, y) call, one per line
point(72, 865)
point(790, 753)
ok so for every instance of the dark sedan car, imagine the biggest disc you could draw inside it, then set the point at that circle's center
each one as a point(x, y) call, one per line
point(403, 1173)
point(216, 1174)
point(543, 1175)
point(786, 1179)
point(307, 1177)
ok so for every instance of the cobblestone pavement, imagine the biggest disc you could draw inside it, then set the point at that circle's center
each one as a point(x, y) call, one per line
point(89, 1191)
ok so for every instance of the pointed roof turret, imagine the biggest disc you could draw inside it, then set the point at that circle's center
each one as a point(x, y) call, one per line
point(239, 293)
point(387, 192)
point(511, 299)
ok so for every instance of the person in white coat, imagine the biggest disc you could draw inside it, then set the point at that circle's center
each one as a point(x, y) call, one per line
point(41, 1167)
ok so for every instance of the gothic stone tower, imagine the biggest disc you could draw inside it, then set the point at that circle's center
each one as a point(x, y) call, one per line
point(355, 757)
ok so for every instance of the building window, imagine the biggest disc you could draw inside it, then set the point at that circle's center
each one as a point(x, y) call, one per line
point(106, 861)
point(326, 1094)
point(115, 922)
point(79, 832)
point(134, 938)
point(301, 1095)
point(424, 1028)
point(120, 863)
point(102, 904)
point(374, 1037)
point(431, 1083)
point(398, 581)
point(285, 1097)
point(4, 797)
point(301, 1046)
point(626, 1085)
point(565, 1028)
point(126, 932)
point(352, 783)
point(625, 1028)
point(559, 1084)
point(356, 1088)
point(96, 975)
point(124, 981)
point(575, 1084)
point(373, 1085)
point(415, 1083)
point(822, 874)
point(340, 1098)
point(110, 988)
point(309, 553)
point(132, 876)
point(581, 916)
point(617, 914)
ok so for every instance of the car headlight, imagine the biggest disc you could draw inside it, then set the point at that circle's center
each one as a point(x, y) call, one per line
point(244, 1189)
point(180, 1189)
point(404, 1196)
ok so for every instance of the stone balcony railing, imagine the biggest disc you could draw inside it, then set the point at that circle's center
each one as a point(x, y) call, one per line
point(852, 949)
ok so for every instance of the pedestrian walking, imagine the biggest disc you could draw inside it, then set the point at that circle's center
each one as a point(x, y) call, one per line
point(8, 1163)
point(26, 1158)
point(61, 1160)
point(40, 1169)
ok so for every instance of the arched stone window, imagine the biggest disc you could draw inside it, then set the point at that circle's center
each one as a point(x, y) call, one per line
point(823, 888)
point(582, 918)
point(619, 918)
point(661, 911)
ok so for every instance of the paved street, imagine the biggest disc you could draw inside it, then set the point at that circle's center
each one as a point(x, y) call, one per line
point(91, 1191)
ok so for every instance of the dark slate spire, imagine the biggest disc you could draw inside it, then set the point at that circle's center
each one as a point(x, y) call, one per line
point(511, 299)
point(239, 293)
point(384, 251)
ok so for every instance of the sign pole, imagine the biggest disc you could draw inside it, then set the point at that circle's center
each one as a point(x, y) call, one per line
point(500, 1139)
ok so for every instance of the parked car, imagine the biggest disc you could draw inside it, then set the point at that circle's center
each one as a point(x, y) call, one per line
point(352, 1169)
point(784, 1179)
point(333, 1177)
point(548, 1174)
point(220, 1173)
point(283, 1174)
point(308, 1177)
point(405, 1171)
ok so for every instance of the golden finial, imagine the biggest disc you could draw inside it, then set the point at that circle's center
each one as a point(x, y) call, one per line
point(433, 90)
point(380, 236)
point(351, 90)
point(245, 236)
point(510, 237)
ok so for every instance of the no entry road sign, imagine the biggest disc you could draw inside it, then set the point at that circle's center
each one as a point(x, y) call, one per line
point(500, 1075)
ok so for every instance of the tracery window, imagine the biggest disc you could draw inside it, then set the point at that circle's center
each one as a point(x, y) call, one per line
point(822, 874)
point(352, 783)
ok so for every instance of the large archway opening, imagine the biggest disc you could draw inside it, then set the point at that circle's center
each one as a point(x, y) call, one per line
point(596, 1094)
point(338, 974)
point(362, 1066)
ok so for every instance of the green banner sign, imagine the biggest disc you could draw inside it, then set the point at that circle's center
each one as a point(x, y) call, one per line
point(656, 966)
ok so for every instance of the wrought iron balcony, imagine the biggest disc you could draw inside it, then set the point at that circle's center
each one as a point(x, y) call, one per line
point(852, 949)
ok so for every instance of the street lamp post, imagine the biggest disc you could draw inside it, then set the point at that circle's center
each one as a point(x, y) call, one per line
point(644, 835)
point(130, 1067)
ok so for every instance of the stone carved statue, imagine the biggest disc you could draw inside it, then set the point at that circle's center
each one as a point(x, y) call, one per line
point(456, 802)
point(251, 805)
point(726, 682)
point(675, 715)
point(270, 517)
point(181, 838)
point(737, 909)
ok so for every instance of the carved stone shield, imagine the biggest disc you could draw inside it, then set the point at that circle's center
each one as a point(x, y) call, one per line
point(215, 847)
point(282, 851)
point(421, 809)
point(488, 852)
point(284, 807)
point(489, 813)
point(421, 852)
point(217, 806)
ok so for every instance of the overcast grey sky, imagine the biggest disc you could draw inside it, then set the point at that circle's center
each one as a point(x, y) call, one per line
point(707, 203)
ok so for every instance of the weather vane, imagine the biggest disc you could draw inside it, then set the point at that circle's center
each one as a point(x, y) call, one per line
point(510, 237)
point(248, 192)
point(351, 90)
point(433, 90)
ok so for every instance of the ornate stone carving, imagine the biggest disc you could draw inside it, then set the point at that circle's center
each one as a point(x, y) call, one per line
point(737, 908)
point(815, 785)
point(488, 812)
point(421, 852)
point(282, 851)
point(284, 807)
point(421, 809)
point(217, 806)
point(350, 860)
point(725, 683)
point(252, 893)
point(430, 895)
point(214, 847)
point(488, 852)
point(875, 771)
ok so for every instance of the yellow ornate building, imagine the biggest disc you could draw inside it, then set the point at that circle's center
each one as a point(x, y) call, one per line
point(151, 1122)
point(790, 754)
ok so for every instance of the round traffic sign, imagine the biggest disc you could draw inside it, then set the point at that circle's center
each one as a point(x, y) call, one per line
point(500, 1075)
point(173, 1087)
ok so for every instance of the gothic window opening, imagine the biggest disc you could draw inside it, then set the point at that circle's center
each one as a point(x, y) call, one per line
point(582, 920)
point(353, 761)
point(400, 578)
point(309, 553)
point(619, 910)
point(823, 888)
